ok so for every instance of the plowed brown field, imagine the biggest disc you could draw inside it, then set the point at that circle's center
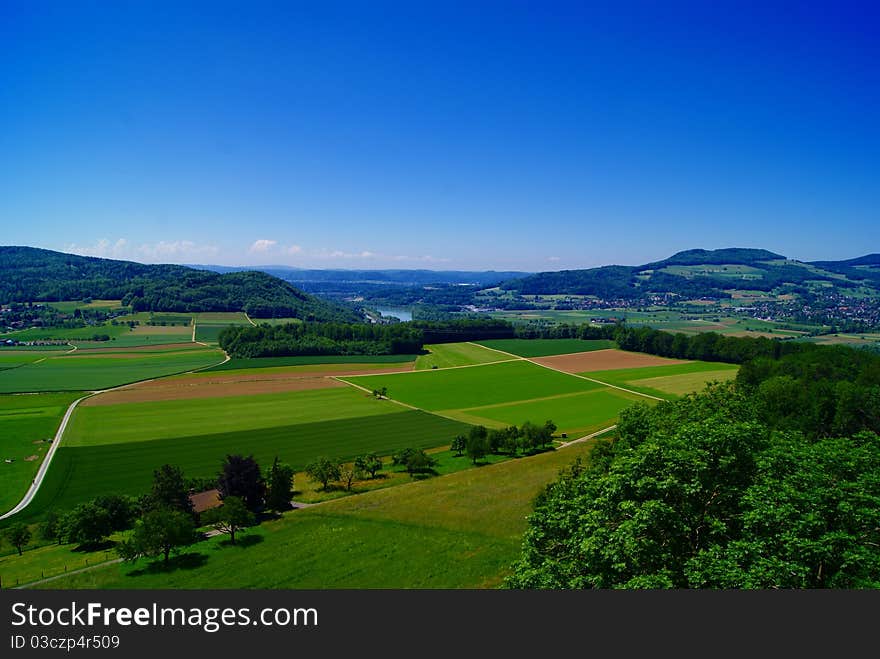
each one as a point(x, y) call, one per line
point(603, 360)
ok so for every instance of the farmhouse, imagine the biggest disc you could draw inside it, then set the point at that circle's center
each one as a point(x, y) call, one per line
point(206, 500)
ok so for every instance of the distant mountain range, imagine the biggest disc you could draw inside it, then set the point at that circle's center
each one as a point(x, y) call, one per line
point(392, 277)
point(699, 273)
point(28, 274)
point(31, 274)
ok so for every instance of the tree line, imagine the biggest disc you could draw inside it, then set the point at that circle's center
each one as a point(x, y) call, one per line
point(294, 339)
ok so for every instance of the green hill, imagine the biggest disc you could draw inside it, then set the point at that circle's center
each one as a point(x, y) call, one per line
point(699, 273)
point(28, 274)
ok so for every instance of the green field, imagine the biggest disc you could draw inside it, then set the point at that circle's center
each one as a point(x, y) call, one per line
point(24, 422)
point(209, 333)
point(274, 362)
point(90, 372)
point(575, 414)
point(668, 381)
point(169, 419)
point(444, 355)
point(63, 334)
point(210, 324)
point(460, 388)
point(69, 306)
point(463, 530)
point(10, 358)
point(79, 473)
point(547, 347)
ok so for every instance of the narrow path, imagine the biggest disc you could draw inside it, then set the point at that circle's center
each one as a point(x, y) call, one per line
point(249, 319)
point(574, 375)
point(44, 467)
point(586, 437)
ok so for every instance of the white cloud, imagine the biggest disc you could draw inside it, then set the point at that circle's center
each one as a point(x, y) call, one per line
point(103, 249)
point(262, 245)
point(553, 258)
point(165, 251)
point(427, 258)
point(293, 249)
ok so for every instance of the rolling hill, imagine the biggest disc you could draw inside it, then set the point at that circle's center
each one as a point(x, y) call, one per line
point(29, 274)
point(699, 273)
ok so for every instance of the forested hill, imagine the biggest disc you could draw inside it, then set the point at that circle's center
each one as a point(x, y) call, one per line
point(31, 274)
point(705, 273)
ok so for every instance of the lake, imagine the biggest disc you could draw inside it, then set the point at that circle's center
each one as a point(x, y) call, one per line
point(403, 314)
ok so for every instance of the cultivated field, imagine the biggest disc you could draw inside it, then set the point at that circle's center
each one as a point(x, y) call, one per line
point(545, 347)
point(208, 325)
point(602, 360)
point(74, 372)
point(463, 530)
point(668, 381)
point(445, 355)
point(87, 467)
point(576, 414)
point(460, 388)
point(26, 422)
point(94, 425)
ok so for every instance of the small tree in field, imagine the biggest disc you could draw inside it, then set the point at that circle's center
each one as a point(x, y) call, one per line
point(17, 535)
point(348, 474)
point(369, 464)
point(477, 446)
point(419, 462)
point(229, 518)
point(323, 470)
point(459, 444)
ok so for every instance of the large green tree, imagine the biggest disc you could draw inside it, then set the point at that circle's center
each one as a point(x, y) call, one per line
point(17, 535)
point(279, 486)
point(158, 533)
point(240, 476)
point(169, 490)
point(701, 493)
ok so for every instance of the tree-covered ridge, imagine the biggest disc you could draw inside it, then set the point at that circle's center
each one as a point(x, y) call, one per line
point(769, 482)
point(28, 274)
point(699, 273)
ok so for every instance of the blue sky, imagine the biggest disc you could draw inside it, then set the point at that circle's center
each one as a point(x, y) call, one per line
point(532, 136)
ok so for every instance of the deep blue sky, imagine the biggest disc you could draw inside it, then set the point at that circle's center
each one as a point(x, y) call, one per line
point(534, 136)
